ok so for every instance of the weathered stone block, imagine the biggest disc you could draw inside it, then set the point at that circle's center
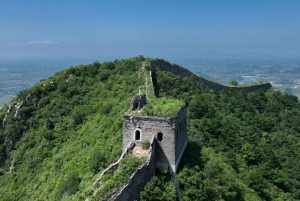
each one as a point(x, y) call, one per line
point(138, 101)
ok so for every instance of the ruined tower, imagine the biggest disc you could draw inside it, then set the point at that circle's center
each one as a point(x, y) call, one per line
point(170, 133)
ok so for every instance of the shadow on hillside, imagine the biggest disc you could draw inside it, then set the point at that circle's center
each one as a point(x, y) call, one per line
point(192, 156)
point(155, 85)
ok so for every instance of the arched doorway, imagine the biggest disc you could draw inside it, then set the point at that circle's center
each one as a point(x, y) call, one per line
point(137, 135)
point(159, 136)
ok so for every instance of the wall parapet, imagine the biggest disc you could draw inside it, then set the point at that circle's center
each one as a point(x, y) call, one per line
point(112, 165)
point(183, 72)
point(131, 189)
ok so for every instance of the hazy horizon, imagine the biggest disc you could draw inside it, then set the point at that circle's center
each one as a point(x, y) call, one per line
point(119, 29)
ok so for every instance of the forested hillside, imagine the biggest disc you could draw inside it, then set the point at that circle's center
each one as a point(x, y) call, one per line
point(55, 148)
point(240, 146)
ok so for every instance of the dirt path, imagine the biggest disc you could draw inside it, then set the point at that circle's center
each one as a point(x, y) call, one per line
point(139, 151)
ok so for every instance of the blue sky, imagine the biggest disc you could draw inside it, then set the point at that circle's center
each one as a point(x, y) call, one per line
point(155, 28)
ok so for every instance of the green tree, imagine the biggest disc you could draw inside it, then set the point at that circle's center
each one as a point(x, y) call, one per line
point(233, 83)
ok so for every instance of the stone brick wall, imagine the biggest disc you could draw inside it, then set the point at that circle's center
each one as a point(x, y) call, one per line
point(150, 126)
point(138, 101)
point(167, 152)
point(131, 190)
point(173, 134)
point(183, 72)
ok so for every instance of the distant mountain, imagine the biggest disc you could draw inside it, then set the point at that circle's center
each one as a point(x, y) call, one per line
point(59, 135)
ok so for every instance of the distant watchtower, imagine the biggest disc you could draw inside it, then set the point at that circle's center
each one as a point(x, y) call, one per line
point(170, 133)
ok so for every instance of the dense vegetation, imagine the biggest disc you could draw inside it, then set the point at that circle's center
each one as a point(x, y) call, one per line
point(234, 83)
point(163, 107)
point(241, 146)
point(71, 132)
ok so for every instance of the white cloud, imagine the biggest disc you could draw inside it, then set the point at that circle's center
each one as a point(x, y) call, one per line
point(46, 42)
point(15, 44)
point(34, 42)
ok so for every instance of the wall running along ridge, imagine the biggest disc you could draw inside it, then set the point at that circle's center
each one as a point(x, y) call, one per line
point(183, 72)
point(131, 189)
point(112, 165)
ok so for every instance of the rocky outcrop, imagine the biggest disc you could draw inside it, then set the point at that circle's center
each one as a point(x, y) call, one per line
point(183, 72)
point(9, 110)
point(15, 131)
point(25, 103)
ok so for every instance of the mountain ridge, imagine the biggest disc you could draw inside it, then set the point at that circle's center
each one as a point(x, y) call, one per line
point(72, 130)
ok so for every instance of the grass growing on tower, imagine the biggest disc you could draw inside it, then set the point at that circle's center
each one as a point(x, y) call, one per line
point(163, 107)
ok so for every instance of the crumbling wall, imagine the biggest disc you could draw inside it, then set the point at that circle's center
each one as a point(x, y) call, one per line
point(183, 72)
point(112, 165)
point(138, 101)
point(131, 190)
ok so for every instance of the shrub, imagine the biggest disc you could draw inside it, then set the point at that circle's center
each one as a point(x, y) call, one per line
point(145, 144)
point(233, 83)
point(48, 135)
point(106, 108)
point(70, 184)
point(97, 160)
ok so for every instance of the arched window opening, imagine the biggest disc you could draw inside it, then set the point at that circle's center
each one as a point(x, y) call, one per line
point(135, 106)
point(137, 135)
point(159, 137)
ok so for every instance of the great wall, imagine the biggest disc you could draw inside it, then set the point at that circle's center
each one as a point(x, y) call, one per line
point(183, 72)
point(167, 156)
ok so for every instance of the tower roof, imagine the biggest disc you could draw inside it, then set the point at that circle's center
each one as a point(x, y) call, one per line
point(162, 107)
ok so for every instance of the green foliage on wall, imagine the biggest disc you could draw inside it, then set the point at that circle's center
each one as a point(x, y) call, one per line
point(163, 107)
point(145, 144)
point(116, 178)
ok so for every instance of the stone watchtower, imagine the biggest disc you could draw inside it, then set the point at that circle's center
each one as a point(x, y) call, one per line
point(170, 134)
